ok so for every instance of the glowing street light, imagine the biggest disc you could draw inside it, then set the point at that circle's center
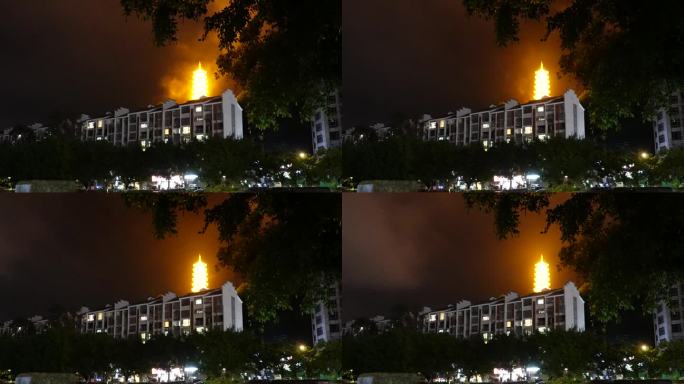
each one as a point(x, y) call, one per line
point(302, 347)
point(200, 86)
point(542, 85)
point(542, 279)
point(302, 155)
point(644, 155)
point(200, 280)
point(644, 348)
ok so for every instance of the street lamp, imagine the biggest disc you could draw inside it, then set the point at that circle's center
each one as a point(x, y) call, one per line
point(644, 347)
point(302, 347)
point(302, 155)
point(644, 155)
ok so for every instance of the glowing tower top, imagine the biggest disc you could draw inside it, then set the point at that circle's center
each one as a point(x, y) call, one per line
point(200, 281)
point(542, 85)
point(542, 279)
point(200, 87)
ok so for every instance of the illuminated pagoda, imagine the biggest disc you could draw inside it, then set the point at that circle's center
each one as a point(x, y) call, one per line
point(542, 279)
point(200, 281)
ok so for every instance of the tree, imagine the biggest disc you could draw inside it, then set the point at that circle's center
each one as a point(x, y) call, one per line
point(623, 245)
point(286, 246)
point(627, 63)
point(286, 54)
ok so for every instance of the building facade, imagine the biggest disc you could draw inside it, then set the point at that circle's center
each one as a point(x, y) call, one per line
point(667, 319)
point(326, 124)
point(561, 116)
point(561, 308)
point(667, 126)
point(217, 116)
point(326, 320)
point(168, 314)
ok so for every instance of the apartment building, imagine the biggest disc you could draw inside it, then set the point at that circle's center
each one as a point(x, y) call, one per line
point(667, 126)
point(326, 124)
point(560, 116)
point(326, 320)
point(667, 319)
point(15, 134)
point(217, 116)
point(561, 308)
point(167, 314)
point(13, 327)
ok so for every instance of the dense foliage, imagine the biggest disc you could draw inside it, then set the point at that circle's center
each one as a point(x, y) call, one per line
point(563, 164)
point(285, 54)
point(223, 164)
point(245, 353)
point(559, 354)
point(628, 63)
point(286, 246)
point(622, 245)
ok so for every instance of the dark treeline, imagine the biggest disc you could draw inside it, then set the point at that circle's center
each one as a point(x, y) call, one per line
point(216, 353)
point(223, 164)
point(559, 354)
point(563, 164)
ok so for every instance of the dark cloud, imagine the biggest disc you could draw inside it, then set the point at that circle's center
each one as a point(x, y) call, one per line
point(428, 249)
point(90, 249)
point(81, 56)
point(415, 57)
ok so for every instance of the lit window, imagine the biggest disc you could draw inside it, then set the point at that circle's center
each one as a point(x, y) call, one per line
point(200, 329)
point(509, 131)
point(98, 331)
point(200, 137)
point(540, 108)
point(485, 143)
point(186, 322)
point(485, 318)
point(542, 137)
point(143, 318)
point(100, 316)
point(528, 130)
point(167, 132)
point(542, 329)
point(433, 124)
point(433, 317)
point(143, 125)
point(540, 301)
point(143, 335)
point(100, 123)
point(485, 125)
point(198, 108)
point(99, 138)
point(485, 336)
point(528, 322)
point(198, 302)
point(143, 143)
point(442, 316)
point(186, 130)
point(91, 125)
point(91, 317)
point(508, 324)
point(166, 324)
point(442, 123)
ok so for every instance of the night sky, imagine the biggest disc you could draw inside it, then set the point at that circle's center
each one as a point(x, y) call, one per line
point(418, 250)
point(414, 57)
point(72, 57)
point(90, 249)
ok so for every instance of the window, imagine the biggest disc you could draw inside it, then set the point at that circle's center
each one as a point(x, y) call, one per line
point(91, 317)
point(676, 328)
point(200, 329)
point(528, 130)
point(167, 132)
point(433, 317)
point(166, 324)
point(198, 108)
point(676, 135)
point(186, 322)
point(540, 301)
point(442, 123)
point(91, 125)
point(528, 322)
point(100, 123)
point(485, 318)
point(186, 130)
point(198, 302)
point(100, 316)
point(143, 318)
point(143, 125)
point(540, 109)
point(433, 124)
point(508, 324)
point(442, 316)
point(542, 329)
point(485, 125)
point(509, 132)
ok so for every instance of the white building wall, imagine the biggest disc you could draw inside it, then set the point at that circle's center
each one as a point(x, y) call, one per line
point(668, 318)
point(668, 124)
point(232, 308)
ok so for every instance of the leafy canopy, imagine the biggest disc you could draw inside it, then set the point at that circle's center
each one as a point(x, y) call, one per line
point(285, 54)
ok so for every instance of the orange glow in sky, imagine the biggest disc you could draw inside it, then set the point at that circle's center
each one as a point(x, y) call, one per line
point(200, 84)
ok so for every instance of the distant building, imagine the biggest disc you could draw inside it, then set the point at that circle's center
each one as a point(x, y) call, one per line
point(326, 320)
point(10, 327)
point(15, 134)
point(561, 308)
point(356, 134)
point(219, 308)
point(326, 124)
point(380, 323)
point(667, 319)
point(217, 116)
point(560, 116)
point(667, 126)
